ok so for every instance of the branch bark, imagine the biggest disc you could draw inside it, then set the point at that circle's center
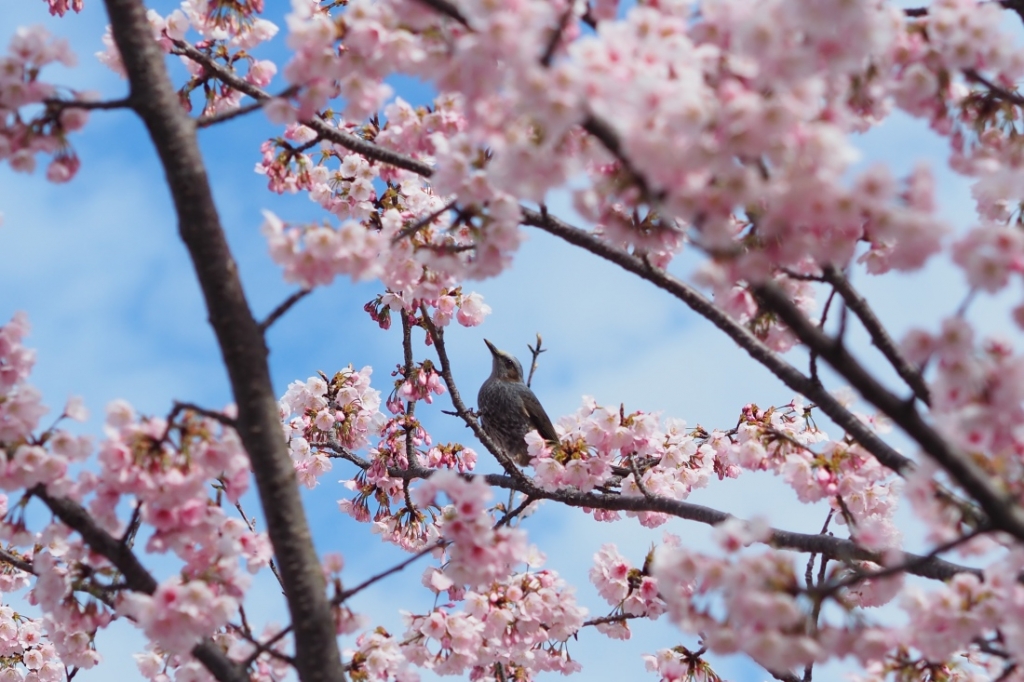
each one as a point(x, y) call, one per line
point(879, 336)
point(826, 545)
point(1003, 513)
point(322, 128)
point(239, 336)
point(135, 575)
point(788, 374)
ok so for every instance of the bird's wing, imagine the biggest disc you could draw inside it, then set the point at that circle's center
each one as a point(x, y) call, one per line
point(538, 417)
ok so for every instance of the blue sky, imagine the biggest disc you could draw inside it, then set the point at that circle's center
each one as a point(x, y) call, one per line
point(116, 313)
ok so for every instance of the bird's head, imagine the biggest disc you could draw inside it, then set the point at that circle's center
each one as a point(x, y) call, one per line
point(505, 367)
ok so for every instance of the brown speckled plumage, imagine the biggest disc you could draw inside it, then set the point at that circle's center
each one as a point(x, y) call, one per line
point(509, 409)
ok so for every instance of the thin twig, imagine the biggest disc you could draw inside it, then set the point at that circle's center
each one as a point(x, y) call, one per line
point(423, 222)
point(128, 539)
point(58, 104)
point(343, 596)
point(283, 308)
point(535, 351)
point(520, 508)
point(251, 523)
point(202, 411)
point(213, 119)
point(617, 618)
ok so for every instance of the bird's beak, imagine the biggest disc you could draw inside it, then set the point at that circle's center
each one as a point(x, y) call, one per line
point(494, 349)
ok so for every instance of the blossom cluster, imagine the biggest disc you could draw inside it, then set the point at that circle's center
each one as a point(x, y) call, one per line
point(671, 461)
point(26, 462)
point(479, 553)
point(232, 27)
point(26, 129)
point(164, 468)
point(977, 397)
point(764, 611)
point(784, 441)
point(521, 623)
point(596, 438)
point(701, 97)
point(340, 412)
point(631, 591)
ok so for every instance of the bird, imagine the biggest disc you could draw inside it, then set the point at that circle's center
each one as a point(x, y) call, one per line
point(509, 409)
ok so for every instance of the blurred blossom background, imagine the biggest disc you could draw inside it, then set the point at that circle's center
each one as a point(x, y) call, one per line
point(116, 313)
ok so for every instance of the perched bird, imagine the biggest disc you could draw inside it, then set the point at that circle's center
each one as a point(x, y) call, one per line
point(509, 409)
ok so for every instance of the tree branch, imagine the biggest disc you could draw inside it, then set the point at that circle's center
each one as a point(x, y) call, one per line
point(213, 119)
point(321, 127)
point(173, 132)
point(1002, 512)
point(448, 9)
point(209, 414)
point(58, 104)
point(19, 563)
point(342, 597)
point(879, 336)
point(135, 575)
point(278, 312)
point(788, 374)
point(1007, 95)
point(827, 546)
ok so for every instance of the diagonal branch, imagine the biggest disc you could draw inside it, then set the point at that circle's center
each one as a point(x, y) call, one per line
point(214, 119)
point(283, 308)
point(448, 9)
point(244, 351)
point(135, 575)
point(788, 374)
point(1002, 512)
point(342, 597)
point(322, 128)
point(879, 336)
point(1007, 95)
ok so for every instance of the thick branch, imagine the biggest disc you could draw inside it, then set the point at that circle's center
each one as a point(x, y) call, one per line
point(1003, 93)
point(879, 336)
point(322, 128)
point(788, 374)
point(826, 545)
point(1002, 512)
point(448, 9)
point(604, 133)
point(135, 575)
point(239, 337)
